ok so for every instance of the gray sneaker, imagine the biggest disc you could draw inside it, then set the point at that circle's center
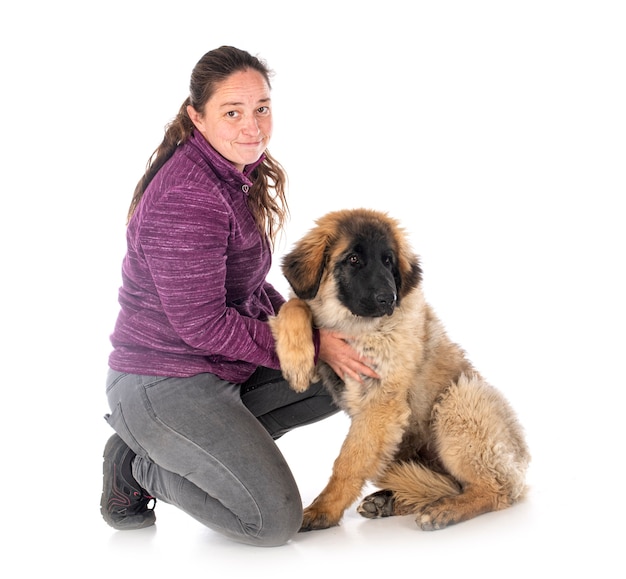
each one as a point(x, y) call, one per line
point(124, 504)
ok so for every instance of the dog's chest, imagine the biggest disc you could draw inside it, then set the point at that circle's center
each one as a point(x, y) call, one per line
point(349, 395)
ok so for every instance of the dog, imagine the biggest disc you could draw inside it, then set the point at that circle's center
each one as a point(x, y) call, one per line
point(439, 442)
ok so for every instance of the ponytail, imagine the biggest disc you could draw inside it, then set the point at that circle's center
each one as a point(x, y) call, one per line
point(176, 133)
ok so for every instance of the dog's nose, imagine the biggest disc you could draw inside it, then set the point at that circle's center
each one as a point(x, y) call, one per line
point(386, 301)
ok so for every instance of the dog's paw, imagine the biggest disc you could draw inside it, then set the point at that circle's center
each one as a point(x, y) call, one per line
point(315, 520)
point(293, 333)
point(377, 505)
point(435, 517)
point(299, 378)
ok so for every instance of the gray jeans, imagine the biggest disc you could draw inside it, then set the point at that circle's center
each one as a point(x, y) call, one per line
point(207, 446)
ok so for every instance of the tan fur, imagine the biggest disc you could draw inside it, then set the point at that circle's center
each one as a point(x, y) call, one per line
point(295, 346)
point(442, 443)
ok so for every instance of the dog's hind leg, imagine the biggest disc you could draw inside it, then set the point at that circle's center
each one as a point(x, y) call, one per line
point(481, 445)
point(377, 505)
point(408, 488)
point(473, 501)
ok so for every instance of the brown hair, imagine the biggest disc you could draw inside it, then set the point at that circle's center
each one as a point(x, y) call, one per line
point(268, 207)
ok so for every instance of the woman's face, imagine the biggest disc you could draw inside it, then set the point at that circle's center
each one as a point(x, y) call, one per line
point(237, 119)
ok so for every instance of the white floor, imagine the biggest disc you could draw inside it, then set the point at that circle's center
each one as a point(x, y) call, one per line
point(571, 522)
point(493, 130)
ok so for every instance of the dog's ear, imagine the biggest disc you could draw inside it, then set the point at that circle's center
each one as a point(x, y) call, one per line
point(409, 272)
point(409, 275)
point(304, 265)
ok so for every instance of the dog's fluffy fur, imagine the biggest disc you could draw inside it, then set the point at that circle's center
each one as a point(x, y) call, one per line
point(439, 442)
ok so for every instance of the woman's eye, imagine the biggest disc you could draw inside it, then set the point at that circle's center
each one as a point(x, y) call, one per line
point(263, 110)
point(232, 114)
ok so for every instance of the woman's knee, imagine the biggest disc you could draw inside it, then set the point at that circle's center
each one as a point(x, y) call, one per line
point(268, 517)
point(280, 522)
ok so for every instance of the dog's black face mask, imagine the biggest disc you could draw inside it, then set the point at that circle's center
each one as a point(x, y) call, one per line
point(367, 277)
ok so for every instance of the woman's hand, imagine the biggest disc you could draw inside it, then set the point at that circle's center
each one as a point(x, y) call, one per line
point(343, 358)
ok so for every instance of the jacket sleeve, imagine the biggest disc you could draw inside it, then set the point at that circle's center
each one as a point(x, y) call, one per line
point(275, 297)
point(187, 261)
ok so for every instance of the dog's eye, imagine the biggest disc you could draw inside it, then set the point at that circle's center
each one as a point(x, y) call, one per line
point(353, 259)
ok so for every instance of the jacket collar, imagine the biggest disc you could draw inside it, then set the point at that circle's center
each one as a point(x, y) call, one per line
point(225, 169)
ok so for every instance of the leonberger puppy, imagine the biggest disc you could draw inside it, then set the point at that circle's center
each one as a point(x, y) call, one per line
point(437, 440)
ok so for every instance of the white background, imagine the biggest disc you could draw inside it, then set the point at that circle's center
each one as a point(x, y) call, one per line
point(495, 131)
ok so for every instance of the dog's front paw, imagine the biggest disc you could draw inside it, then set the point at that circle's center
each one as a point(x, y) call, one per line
point(299, 378)
point(315, 520)
point(293, 333)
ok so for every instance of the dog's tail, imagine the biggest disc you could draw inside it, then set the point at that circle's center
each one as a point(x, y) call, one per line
point(414, 486)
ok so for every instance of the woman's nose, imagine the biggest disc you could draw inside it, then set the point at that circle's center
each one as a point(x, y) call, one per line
point(251, 126)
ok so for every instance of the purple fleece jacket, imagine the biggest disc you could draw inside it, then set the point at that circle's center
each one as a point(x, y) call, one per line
point(194, 296)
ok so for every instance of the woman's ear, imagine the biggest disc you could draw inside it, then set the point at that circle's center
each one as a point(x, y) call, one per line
point(196, 118)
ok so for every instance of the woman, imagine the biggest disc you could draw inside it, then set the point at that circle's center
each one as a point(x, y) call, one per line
point(194, 386)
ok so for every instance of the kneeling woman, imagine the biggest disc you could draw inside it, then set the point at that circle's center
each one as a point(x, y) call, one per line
point(194, 385)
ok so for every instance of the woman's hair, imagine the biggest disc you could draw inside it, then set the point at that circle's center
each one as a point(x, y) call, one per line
point(266, 198)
